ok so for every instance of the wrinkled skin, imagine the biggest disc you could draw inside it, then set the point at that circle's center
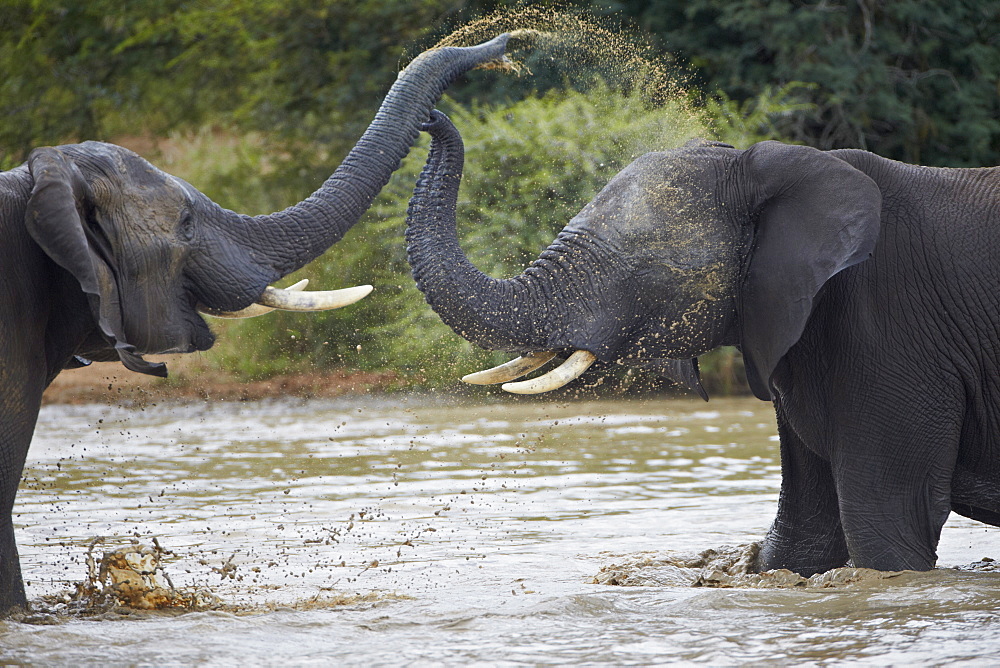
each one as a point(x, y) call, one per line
point(862, 293)
point(108, 258)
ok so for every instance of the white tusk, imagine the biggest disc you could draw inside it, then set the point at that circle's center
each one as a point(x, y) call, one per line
point(293, 298)
point(511, 370)
point(289, 300)
point(569, 370)
point(253, 310)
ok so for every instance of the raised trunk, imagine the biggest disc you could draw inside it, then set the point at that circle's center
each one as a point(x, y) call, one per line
point(495, 314)
point(279, 243)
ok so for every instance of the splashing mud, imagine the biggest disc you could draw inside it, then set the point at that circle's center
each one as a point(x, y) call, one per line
point(131, 581)
point(583, 50)
point(728, 567)
point(732, 567)
point(123, 580)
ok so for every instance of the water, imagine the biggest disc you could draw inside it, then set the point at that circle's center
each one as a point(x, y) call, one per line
point(383, 531)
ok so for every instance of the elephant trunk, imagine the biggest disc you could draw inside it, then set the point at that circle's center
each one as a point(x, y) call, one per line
point(279, 243)
point(492, 313)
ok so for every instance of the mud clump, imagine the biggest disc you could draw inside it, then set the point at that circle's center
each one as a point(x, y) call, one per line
point(727, 567)
point(783, 578)
point(122, 581)
point(984, 565)
point(679, 570)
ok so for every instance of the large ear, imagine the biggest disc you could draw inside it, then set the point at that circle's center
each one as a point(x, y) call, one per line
point(816, 215)
point(54, 218)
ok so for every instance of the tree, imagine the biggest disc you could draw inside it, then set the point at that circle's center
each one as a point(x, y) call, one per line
point(910, 80)
point(304, 70)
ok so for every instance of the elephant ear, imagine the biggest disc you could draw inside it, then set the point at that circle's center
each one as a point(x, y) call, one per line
point(60, 198)
point(816, 216)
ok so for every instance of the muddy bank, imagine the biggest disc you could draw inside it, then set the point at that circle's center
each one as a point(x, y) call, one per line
point(190, 380)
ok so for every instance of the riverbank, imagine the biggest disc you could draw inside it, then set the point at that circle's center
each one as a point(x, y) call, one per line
point(111, 383)
point(193, 378)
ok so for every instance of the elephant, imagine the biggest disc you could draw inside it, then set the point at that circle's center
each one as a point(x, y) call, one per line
point(861, 292)
point(110, 259)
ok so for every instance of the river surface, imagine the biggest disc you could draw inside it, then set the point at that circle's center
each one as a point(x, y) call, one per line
point(423, 530)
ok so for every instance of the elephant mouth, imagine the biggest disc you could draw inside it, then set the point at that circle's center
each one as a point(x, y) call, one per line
point(201, 339)
point(681, 371)
point(562, 375)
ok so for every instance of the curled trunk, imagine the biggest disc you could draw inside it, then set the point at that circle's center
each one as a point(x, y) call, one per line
point(493, 313)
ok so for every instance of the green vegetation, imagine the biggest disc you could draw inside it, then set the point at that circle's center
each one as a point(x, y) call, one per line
point(303, 70)
point(908, 79)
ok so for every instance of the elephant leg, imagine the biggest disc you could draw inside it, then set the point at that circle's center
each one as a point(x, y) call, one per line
point(14, 441)
point(894, 484)
point(806, 536)
point(22, 381)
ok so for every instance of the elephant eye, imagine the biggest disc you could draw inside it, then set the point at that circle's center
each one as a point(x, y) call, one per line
point(185, 230)
point(96, 234)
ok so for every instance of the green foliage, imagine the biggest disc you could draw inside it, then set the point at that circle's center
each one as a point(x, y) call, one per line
point(311, 70)
point(239, 171)
point(756, 119)
point(910, 80)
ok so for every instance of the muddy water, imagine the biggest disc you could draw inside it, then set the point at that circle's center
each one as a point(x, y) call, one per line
point(423, 530)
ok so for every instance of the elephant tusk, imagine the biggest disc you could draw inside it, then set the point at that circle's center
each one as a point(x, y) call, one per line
point(569, 370)
point(253, 310)
point(511, 370)
point(293, 300)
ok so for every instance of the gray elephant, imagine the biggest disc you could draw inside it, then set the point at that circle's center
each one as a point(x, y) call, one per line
point(862, 292)
point(108, 258)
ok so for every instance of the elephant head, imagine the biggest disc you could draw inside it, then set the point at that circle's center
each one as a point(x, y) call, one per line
point(681, 252)
point(150, 251)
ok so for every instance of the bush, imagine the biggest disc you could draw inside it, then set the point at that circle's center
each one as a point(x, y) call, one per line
point(909, 80)
point(301, 70)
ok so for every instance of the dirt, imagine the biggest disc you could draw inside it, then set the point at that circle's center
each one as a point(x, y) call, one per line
point(111, 383)
point(727, 567)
